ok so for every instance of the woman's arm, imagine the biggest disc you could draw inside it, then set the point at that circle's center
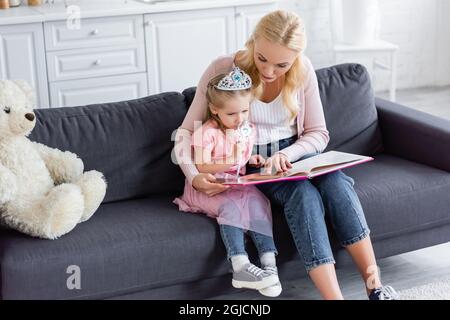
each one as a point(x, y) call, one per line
point(315, 136)
point(183, 155)
point(194, 117)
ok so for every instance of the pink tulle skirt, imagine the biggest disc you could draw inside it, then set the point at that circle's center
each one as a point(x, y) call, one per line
point(244, 207)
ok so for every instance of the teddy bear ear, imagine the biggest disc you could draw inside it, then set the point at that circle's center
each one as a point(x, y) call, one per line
point(27, 90)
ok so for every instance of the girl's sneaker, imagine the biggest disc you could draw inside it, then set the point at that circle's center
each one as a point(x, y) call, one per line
point(252, 277)
point(383, 293)
point(275, 290)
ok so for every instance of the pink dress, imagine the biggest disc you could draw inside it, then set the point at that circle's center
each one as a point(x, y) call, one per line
point(243, 207)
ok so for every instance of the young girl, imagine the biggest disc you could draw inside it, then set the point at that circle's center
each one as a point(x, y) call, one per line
point(220, 150)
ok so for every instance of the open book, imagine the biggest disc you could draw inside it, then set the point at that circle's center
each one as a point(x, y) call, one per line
point(304, 169)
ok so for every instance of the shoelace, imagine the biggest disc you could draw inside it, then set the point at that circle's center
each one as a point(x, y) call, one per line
point(255, 270)
point(271, 270)
point(386, 293)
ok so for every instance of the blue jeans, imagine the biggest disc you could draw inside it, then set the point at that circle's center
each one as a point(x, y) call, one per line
point(233, 239)
point(306, 203)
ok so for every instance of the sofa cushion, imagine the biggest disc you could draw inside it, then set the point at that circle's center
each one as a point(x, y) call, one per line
point(126, 246)
point(130, 141)
point(400, 197)
point(349, 107)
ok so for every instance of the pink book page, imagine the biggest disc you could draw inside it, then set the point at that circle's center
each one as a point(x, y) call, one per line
point(322, 165)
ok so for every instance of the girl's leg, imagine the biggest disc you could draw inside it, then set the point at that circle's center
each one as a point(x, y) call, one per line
point(264, 244)
point(304, 212)
point(245, 274)
point(233, 239)
point(267, 251)
point(347, 218)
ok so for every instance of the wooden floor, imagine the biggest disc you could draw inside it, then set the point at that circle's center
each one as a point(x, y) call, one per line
point(434, 100)
point(403, 271)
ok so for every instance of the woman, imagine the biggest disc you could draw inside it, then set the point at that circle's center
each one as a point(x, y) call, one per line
point(290, 124)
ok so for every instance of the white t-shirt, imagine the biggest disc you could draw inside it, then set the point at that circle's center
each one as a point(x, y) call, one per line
point(272, 121)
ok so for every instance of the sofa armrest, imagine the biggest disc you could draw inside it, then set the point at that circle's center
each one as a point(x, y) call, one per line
point(414, 135)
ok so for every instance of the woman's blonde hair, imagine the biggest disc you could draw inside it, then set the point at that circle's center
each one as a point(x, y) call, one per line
point(217, 97)
point(287, 29)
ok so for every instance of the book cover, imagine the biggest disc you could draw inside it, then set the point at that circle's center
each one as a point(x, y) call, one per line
point(304, 169)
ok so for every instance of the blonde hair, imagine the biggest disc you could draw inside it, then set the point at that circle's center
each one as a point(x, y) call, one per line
point(287, 29)
point(217, 97)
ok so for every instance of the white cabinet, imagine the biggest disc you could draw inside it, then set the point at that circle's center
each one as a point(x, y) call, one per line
point(181, 45)
point(103, 61)
point(246, 19)
point(125, 56)
point(22, 56)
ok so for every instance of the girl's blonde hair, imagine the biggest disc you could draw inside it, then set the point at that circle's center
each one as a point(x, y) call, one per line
point(287, 29)
point(217, 97)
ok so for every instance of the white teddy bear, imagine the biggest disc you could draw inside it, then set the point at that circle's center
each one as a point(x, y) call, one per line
point(43, 191)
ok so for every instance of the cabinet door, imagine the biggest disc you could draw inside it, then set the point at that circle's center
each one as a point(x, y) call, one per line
point(246, 19)
point(181, 45)
point(22, 56)
point(98, 90)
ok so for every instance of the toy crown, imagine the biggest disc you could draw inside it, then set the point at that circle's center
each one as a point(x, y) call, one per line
point(235, 80)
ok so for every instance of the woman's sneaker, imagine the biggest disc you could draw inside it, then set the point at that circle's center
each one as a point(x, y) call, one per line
point(383, 293)
point(274, 290)
point(252, 277)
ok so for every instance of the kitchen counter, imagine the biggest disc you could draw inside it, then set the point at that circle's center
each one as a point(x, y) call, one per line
point(21, 14)
point(107, 8)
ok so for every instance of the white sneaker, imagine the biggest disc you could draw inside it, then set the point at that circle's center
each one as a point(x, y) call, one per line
point(274, 290)
point(252, 277)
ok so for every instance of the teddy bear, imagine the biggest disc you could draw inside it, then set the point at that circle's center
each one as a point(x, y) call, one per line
point(43, 191)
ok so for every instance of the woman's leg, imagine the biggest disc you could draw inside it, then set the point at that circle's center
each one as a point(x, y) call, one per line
point(304, 212)
point(325, 280)
point(364, 257)
point(346, 215)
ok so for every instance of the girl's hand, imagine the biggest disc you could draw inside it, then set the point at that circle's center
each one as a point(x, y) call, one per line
point(256, 161)
point(205, 182)
point(278, 161)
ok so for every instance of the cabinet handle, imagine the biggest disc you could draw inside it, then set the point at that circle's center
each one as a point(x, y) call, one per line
point(148, 23)
point(97, 62)
point(94, 32)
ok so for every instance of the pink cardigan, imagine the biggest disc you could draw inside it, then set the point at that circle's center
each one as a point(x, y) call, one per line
point(313, 135)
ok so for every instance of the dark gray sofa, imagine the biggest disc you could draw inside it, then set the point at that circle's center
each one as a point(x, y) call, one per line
point(138, 245)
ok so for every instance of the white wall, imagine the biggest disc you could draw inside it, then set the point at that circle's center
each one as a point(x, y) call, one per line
point(443, 31)
point(420, 27)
